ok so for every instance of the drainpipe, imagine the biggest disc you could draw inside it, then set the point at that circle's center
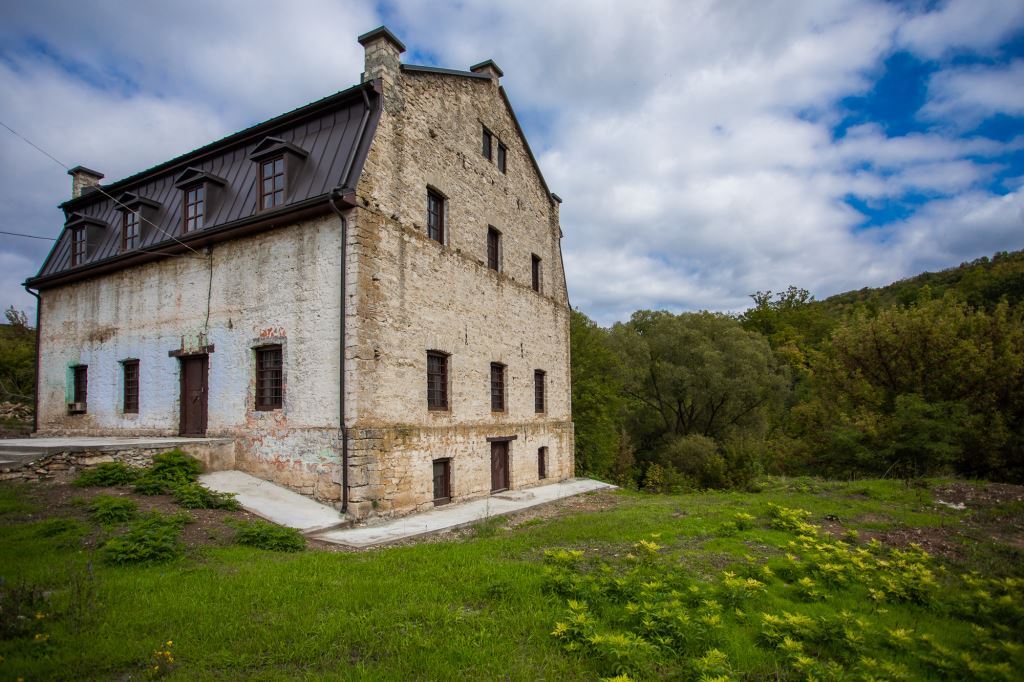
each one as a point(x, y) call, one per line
point(336, 194)
point(35, 400)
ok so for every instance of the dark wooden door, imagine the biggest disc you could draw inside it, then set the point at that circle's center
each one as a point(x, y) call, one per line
point(499, 466)
point(193, 395)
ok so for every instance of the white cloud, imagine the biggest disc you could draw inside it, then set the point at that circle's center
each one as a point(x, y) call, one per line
point(969, 95)
point(692, 142)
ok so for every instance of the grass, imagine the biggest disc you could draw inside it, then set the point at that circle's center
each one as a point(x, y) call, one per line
point(480, 607)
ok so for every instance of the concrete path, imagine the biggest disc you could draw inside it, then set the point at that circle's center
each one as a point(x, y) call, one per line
point(273, 502)
point(456, 515)
point(287, 508)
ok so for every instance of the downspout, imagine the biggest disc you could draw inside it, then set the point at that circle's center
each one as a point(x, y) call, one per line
point(336, 194)
point(35, 398)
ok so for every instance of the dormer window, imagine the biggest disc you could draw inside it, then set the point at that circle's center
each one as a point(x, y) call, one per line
point(200, 195)
point(77, 246)
point(195, 202)
point(129, 230)
point(272, 183)
point(279, 165)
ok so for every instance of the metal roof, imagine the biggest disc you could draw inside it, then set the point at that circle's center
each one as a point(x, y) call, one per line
point(327, 130)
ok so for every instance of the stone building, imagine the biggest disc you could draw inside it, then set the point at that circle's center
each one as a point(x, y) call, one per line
point(366, 294)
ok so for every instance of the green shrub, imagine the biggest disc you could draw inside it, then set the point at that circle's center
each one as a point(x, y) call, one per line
point(265, 535)
point(195, 496)
point(153, 538)
point(169, 470)
point(665, 479)
point(106, 475)
point(107, 509)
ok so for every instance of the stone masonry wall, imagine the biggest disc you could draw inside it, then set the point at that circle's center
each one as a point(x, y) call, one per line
point(280, 286)
point(412, 294)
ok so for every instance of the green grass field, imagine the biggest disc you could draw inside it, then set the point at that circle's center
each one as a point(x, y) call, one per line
point(485, 604)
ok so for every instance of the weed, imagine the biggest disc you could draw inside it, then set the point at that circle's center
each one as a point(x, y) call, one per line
point(488, 528)
point(22, 606)
point(106, 475)
point(168, 471)
point(196, 496)
point(108, 510)
point(64, 530)
point(265, 535)
point(152, 538)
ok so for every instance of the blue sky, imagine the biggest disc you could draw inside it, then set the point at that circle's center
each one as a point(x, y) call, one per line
point(704, 149)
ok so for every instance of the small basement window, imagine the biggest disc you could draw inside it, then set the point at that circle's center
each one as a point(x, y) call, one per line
point(437, 380)
point(442, 481)
point(497, 387)
point(269, 378)
point(130, 371)
point(435, 215)
point(129, 230)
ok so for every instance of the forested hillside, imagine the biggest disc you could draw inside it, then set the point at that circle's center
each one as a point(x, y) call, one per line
point(923, 376)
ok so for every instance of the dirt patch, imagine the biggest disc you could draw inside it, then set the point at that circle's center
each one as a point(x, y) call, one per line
point(978, 495)
point(60, 499)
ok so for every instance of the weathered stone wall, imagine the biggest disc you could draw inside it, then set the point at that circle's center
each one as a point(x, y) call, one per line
point(281, 286)
point(412, 294)
point(65, 465)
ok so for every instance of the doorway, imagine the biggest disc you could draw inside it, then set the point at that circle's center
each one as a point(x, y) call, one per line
point(499, 466)
point(194, 391)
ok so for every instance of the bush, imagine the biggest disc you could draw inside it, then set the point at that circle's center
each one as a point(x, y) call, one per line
point(153, 538)
point(265, 535)
point(195, 496)
point(107, 509)
point(698, 459)
point(168, 471)
point(106, 475)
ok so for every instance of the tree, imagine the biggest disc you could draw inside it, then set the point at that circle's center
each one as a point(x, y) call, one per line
point(17, 358)
point(597, 401)
point(696, 374)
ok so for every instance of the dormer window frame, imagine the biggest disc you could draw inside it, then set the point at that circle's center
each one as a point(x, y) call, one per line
point(131, 229)
point(146, 212)
point(265, 155)
point(191, 180)
point(79, 246)
point(83, 230)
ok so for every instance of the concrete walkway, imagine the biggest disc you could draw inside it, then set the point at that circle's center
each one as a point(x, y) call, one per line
point(273, 502)
point(287, 508)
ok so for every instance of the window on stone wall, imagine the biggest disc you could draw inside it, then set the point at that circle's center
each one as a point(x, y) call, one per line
point(442, 481)
point(488, 142)
point(80, 388)
point(130, 371)
point(195, 207)
point(542, 462)
point(502, 155)
point(77, 246)
point(493, 249)
point(129, 230)
point(497, 387)
point(269, 378)
point(437, 380)
point(535, 272)
point(435, 215)
point(538, 390)
point(272, 182)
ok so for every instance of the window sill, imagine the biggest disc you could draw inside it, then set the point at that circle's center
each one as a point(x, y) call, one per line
point(442, 501)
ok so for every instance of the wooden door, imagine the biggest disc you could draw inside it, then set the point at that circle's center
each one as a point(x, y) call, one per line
point(499, 466)
point(193, 395)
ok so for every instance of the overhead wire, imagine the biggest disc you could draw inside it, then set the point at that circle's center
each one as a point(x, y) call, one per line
point(100, 189)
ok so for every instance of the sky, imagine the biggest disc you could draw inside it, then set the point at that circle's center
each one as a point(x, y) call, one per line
point(704, 150)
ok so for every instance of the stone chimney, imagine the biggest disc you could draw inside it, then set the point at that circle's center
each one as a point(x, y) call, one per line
point(82, 179)
point(489, 68)
point(381, 61)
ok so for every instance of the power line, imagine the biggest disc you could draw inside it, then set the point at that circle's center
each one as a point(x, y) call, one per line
point(30, 236)
point(97, 187)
